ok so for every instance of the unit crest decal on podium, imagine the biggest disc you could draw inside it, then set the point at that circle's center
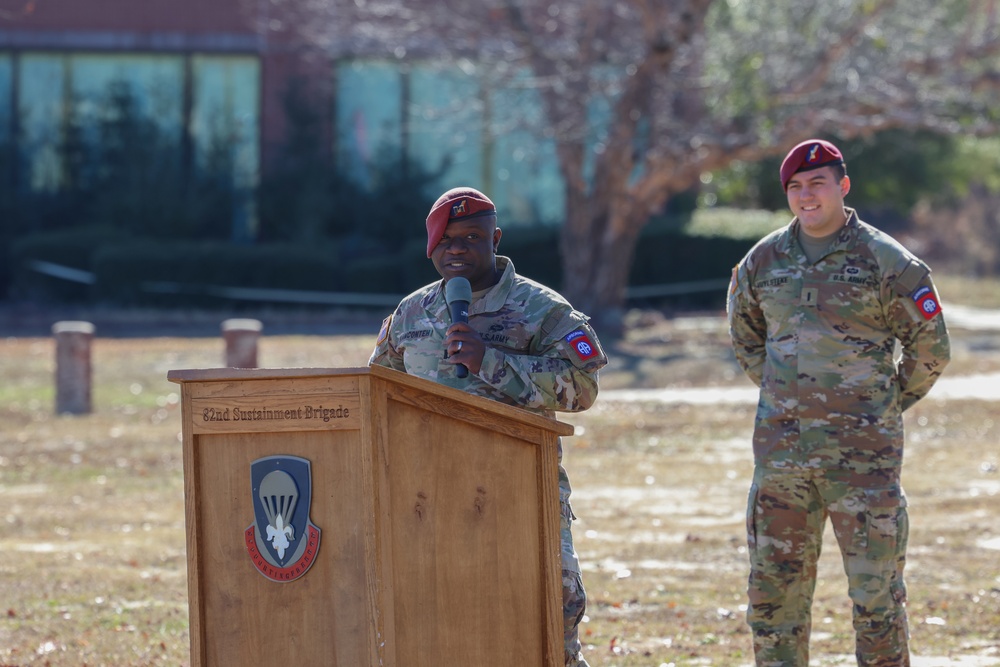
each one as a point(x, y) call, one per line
point(282, 541)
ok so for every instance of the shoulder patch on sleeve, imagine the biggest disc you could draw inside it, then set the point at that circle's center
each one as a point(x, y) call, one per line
point(581, 344)
point(383, 333)
point(910, 277)
point(550, 323)
point(927, 302)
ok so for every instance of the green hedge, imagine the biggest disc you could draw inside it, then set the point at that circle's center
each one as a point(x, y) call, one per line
point(195, 273)
point(670, 258)
point(734, 223)
point(72, 249)
point(535, 253)
point(675, 258)
point(704, 246)
point(133, 271)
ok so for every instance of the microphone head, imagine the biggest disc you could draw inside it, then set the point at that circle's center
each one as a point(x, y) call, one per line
point(457, 289)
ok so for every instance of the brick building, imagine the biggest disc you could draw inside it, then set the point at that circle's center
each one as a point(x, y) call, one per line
point(202, 69)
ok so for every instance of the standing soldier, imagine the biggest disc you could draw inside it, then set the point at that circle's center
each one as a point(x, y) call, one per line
point(815, 310)
point(523, 345)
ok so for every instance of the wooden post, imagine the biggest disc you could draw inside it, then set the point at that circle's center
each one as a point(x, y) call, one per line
point(73, 367)
point(241, 337)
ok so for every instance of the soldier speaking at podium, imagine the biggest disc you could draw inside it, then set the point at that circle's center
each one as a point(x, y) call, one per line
point(515, 341)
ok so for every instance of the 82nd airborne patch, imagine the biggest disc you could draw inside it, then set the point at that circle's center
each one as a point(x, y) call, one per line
point(926, 302)
point(580, 342)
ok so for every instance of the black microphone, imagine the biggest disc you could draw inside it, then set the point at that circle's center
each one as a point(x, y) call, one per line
point(458, 294)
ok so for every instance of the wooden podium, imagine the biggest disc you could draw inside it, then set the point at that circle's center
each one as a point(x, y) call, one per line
point(363, 517)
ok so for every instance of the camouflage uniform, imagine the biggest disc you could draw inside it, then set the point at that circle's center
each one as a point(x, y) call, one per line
point(541, 355)
point(818, 339)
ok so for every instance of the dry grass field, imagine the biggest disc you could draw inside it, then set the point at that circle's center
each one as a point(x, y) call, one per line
point(92, 546)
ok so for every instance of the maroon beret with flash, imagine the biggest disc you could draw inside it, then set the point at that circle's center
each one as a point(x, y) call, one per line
point(809, 155)
point(455, 204)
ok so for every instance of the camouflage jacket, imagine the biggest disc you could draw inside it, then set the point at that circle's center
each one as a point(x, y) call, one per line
point(540, 353)
point(818, 339)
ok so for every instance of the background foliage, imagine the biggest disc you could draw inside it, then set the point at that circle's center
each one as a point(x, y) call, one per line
point(154, 228)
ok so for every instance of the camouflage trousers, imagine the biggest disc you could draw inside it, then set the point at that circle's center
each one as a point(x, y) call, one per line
point(786, 515)
point(574, 595)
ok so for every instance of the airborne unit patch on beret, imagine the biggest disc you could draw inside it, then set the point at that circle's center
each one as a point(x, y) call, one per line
point(809, 155)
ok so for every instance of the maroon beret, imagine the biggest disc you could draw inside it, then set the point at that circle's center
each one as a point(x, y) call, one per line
point(809, 155)
point(455, 204)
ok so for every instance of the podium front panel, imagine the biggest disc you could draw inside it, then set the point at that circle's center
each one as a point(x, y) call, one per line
point(465, 506)
point(435, 514)
point(248, 619)
point(240, 616)
point(476, 567)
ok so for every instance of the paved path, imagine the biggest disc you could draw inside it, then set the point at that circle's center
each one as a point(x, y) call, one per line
point(984, 386)
point(976, 319)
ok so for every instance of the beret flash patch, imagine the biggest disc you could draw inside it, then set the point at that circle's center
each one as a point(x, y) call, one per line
point(813, 156)
point(459, 209)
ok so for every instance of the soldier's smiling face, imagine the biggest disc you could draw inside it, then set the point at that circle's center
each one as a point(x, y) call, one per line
point(468, 249)
point(816, 198)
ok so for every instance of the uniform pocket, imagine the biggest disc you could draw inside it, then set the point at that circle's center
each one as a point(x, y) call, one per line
point(567, 513)
point(751, 517)
point(887, 524)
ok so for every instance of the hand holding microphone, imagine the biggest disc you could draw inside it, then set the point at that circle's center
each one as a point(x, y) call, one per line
point(458, 294)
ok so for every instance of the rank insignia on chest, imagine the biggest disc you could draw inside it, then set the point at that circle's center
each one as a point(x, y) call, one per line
point(926, 302)
point(581, 344)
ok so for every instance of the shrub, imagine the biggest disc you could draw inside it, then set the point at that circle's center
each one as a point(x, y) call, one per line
point(72, 249)
point(535, 253)
point(209, 273)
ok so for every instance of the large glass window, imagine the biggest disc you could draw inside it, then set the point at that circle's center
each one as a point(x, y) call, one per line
point(225, 114)
point(369, 117)
point(225, 106)
point(6, 95)
point(153, 84)
point(445, 118)
point(41, 111)
point(525, 182)
point(59, 92)
point(225, 122)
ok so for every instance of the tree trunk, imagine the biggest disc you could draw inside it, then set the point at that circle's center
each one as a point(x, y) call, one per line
point(597, 248)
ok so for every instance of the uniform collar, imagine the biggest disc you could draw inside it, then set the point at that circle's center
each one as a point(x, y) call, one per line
point(492, 301)
point(496, 296)
point(845, 240)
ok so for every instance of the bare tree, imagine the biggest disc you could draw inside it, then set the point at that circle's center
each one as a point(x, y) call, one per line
point(689, 87)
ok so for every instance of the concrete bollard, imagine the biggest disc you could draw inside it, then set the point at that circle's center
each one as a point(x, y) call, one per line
point(73, 367)
point(241, 342)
